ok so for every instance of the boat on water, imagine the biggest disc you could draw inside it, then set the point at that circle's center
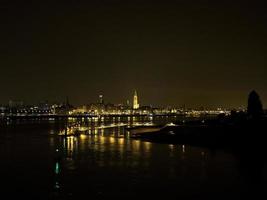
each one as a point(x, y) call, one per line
point(136, 130)
point(143, 129)
point(129, 128)
point(70, 132)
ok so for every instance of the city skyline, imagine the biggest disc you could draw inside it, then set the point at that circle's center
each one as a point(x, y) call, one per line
point(132, 101)
point(174, 52)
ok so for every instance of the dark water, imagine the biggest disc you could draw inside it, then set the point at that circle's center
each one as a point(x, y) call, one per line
point(104, 163)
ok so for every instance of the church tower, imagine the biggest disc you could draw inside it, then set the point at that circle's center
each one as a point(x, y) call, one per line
point(135, 101)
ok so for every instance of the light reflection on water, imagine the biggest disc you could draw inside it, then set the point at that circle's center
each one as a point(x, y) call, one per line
point(110, 155)
point(112, 142)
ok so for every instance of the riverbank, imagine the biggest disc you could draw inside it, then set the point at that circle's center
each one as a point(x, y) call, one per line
point(226, 134)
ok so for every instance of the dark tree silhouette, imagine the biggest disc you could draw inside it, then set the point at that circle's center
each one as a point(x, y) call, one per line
point(254, 109)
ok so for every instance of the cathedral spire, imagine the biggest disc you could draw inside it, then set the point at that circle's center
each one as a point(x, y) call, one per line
point(135, 101)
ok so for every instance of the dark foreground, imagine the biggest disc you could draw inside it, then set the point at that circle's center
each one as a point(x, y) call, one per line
point(37, 164)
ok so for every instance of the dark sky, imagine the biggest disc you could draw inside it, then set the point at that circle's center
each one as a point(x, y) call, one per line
point(173, 52)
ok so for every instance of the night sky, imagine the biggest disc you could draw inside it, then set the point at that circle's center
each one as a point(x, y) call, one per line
point(173, 53)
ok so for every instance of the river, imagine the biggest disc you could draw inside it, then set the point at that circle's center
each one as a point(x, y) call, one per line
point(104, 162)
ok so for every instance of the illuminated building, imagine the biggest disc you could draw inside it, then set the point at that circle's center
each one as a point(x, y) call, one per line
point(135, 101)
